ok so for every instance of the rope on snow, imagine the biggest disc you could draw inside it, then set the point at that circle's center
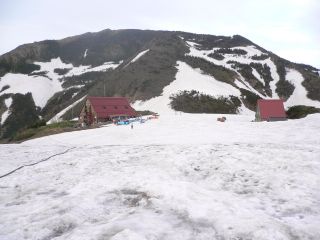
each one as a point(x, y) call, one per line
point(35, 163)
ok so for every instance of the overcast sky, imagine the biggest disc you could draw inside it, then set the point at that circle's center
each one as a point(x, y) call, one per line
point(289, 28)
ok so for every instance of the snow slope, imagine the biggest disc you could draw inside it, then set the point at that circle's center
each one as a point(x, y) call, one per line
point(139, 55)
point(6, 114)
point(43, 87)
point(178, 177)
point(187, 78)
point(75, 71)
point(245, 59)
point(58, 116)
point(299, 96)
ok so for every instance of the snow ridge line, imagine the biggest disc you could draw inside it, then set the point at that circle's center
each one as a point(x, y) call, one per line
point(35, 163)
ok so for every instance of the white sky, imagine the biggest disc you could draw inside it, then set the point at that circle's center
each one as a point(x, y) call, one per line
point(289, 28)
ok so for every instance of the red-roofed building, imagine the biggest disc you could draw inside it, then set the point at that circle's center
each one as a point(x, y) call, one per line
point(270, 110)
point(103, 109)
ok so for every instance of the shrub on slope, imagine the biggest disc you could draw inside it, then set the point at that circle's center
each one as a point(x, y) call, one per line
point(249, 99)
point(195, 102)
point(220, 73)
point(301, 111)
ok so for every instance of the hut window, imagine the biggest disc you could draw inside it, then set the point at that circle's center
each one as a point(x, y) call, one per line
point(115, 107)
point(104, 107)
point(126, 107)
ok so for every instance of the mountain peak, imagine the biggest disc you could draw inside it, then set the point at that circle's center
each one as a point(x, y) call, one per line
point(146, 66)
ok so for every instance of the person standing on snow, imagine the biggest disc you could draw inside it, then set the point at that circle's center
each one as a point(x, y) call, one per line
point(131, 125)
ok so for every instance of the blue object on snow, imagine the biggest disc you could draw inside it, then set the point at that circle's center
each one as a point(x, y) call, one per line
point(126, 122)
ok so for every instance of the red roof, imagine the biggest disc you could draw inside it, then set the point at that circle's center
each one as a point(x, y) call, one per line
point(106, 107)
point(271, 109)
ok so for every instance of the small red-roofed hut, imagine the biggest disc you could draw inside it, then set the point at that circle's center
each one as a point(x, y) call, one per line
point(270, 110)
point(103, 109)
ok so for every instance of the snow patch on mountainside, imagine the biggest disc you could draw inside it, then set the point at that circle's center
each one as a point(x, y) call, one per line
point(58, 116)
point(85, 53)
point(48, 82)
point(244, 59)
point(246, 85)
point(8, 102)
point(299, 95)
point(6, 114)
point(139, 55)
point(104, 67)
point(42, 88)
point(75, 71)
point(187, 78)
point(49, 68)
point(75, 86)
point(251, 51)
point(192, 44)
point(274, 75)
point(55, 63)
point(257, 75)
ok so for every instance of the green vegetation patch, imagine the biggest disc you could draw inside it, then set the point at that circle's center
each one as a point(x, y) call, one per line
point(246, 71)
point(301, 111)
point(5, 87)
point(312, 84)
point(220, 73)
point(41, 129)
point(284, 87)
point(61, 71)
point(145, 113)
point(195, 102)
point(260, 57)
point(234, 51)
point(265, 73)
point(249, 99)
point(23, 114)
point(216, 56)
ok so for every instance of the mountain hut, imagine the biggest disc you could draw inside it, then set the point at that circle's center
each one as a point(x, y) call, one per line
point(270, 110)
point(104, 109)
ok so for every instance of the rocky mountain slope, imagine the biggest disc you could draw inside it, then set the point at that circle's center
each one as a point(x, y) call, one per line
point(148, 67)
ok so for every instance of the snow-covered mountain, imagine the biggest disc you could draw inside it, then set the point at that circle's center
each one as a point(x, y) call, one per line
point(147, 67)
point(182, 176)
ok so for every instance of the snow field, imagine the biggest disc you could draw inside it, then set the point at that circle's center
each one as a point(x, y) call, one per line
point(299, 96)
point(189, 79)
point(74, 71)
point(44, 87)
point(245, 59)
point(178, 177)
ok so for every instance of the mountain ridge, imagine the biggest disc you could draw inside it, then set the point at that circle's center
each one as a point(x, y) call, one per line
point(101, 63)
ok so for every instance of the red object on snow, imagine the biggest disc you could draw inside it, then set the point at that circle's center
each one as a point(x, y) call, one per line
point(270, 110)
point(107, 107)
